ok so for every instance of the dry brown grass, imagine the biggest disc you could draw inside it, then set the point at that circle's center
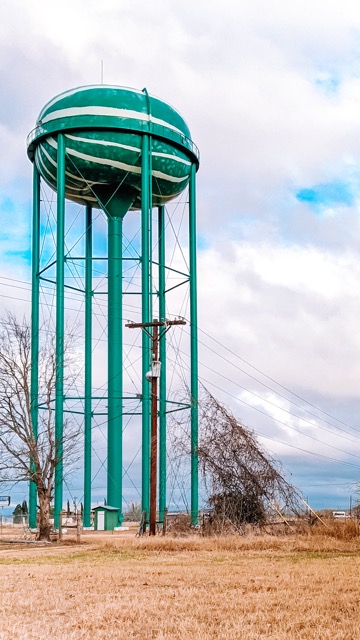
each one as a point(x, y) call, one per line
point(233, 588)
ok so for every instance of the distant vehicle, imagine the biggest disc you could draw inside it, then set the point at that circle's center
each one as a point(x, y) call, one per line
point(340, 515)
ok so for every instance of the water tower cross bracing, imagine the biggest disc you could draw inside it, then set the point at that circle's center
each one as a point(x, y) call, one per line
point(119, 150)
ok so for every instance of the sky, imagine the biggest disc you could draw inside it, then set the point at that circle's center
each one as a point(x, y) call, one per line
point(271, 92)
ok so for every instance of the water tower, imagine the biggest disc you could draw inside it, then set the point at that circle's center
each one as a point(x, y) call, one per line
point(118, 150)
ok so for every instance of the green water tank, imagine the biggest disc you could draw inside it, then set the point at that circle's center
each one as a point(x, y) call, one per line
point(103, 128)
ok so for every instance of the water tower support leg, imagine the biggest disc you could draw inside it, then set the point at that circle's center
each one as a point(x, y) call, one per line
point(162, 341)
point(115, 363)
point(145, 289)
point(193, 352)
point(35, 330)
point(59, 342)
point(88, 367)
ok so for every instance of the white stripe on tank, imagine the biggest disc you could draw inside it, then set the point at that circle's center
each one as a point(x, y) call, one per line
point(108, 143)
point(103, 142)
point(107, 112)
point(72, 92)
point(114, 163)
point(171, 157)
point(121, 165)
point(41, 164)
point(52, 143)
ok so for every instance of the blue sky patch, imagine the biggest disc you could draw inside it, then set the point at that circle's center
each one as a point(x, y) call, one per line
point(328, 83)
point(202, 243)
point(7, 205)
point(327, 195)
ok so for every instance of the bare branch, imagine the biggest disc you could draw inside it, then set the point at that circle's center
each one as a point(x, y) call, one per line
point(241, 478)
point(22, 455)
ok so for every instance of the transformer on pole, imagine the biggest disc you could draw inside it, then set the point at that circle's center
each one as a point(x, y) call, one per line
point(153, 376)
point(118, 150)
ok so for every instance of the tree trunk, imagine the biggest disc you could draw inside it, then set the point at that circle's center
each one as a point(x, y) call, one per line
point(44, 516)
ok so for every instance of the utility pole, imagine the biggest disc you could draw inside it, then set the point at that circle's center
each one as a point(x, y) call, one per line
point(152, 376)
point(154, 435)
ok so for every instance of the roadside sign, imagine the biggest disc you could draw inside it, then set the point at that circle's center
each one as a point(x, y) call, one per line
point(4, 501)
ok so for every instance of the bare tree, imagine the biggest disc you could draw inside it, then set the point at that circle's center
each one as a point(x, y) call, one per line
point(243, 483)
point(24, 457)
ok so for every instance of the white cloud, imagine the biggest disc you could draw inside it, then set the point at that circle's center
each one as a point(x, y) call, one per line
point(290, 311)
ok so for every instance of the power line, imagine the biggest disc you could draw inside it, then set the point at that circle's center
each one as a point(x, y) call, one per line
point(294, 415)
point(322, 456)
point(272, 380)
point(264, 399)
point(236, 367)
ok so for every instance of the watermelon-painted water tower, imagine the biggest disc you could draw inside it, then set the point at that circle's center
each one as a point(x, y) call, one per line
point(118, 150)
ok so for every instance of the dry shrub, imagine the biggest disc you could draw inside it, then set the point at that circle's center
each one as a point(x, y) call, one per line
point(341, 530)
point(214, 525)
point(180, 525)
point(254, 544)
point(315, 540)
point(243, 483)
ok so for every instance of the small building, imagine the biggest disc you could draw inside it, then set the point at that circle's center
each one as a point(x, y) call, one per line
point(340, 515)
point(106, 518)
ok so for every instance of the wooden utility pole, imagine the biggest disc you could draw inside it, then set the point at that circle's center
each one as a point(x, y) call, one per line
point(153, 375)
point(154, 435)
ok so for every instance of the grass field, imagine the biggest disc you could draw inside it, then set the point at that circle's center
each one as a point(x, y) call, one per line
point(249, 588)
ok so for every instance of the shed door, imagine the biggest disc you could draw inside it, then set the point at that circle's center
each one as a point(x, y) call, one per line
point(101, 520)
